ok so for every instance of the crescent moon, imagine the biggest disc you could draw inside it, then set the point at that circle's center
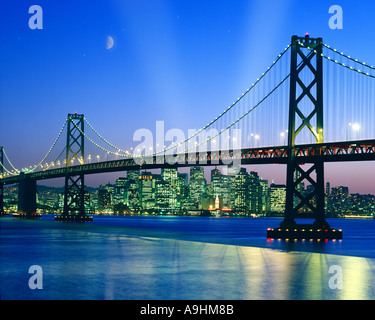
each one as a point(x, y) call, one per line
point(110, 42)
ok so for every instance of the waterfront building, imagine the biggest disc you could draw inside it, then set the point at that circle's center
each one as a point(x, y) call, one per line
point(197, 185)
point(277, 198)
point(133, 175)
point(132, 194)
point(221, 186)
point(120, 195)
point(146, 191)
point(105, 195)
point(241, 191)
point(254, 193)
point(264, 201)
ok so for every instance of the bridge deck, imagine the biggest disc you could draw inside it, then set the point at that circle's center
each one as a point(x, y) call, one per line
point(363, 150)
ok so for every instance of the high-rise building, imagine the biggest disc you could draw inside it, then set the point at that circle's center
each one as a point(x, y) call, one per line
point(133, 175)
point(105, 195)
point(196, 173)
point(254, 193)
point(197, 185)
point(241, 191)
point(170, 176)
point(277, 198)
point(215, 172)
point(328, 188)
point(182, 188)
point(221, 186)
point(162, 195)
point(147, 198)
point(132, 194)
point(264, 196)
point(120, 193)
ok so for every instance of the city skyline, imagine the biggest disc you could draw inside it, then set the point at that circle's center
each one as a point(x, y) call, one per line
point(173, 193)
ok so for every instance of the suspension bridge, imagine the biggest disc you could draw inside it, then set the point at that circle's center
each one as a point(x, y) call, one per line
point(277, 120)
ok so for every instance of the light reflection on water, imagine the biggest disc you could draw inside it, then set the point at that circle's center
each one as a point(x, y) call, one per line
point(119, 258)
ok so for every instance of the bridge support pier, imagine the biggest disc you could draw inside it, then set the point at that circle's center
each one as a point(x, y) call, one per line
point(27, 198)
point(74, 200)
point(305, 113)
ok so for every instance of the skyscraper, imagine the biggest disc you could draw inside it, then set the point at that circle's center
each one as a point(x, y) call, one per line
point(133, 175)
point(105, 195)
point(328, 188)
point(264, 196)
point(119, 195)
point(196, 173)
point(197, 185)
point(161, 196)
point(241, 191)
point(133, 193)
point(277, 198)
point(170, 176)
point(254, 193)
point(221, 186)
point(146, 191)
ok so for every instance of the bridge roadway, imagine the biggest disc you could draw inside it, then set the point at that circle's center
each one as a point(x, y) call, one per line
point(360, 150)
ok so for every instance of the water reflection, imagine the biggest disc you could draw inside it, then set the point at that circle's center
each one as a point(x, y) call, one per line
point(85, 262)
point(176, 269)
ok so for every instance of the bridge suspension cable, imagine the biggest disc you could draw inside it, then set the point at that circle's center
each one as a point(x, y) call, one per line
point(14, 168)
point(183, 142)
point(343, 64)
point(97, 145)
point(349, 57)
point(126, 153)
point(53, 162)
point(8, 171)
point(121, 152)
point(230, 107)
point(241, 117)
point(50, 150)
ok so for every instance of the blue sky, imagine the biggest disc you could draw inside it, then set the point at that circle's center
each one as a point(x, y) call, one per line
point(174, 60)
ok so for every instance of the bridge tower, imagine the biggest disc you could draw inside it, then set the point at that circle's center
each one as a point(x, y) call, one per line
point(306, 58)
point(74, 195)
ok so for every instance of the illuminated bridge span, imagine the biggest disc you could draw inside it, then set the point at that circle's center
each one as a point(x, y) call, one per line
point(277, 120)
point(328, 152)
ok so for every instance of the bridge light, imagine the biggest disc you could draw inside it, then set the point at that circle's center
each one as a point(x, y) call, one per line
point(356, 127)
